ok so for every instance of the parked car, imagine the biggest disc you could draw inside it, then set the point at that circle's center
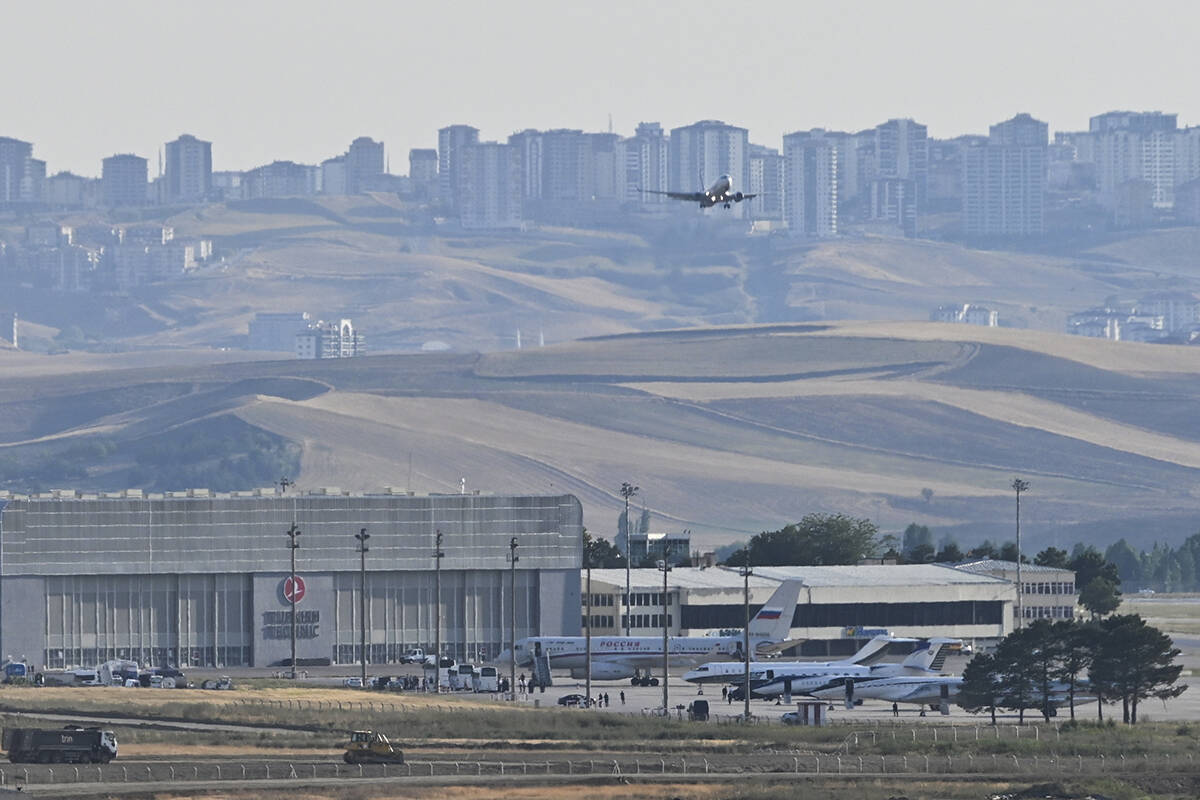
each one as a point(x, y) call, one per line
point(572, 700)
point(353, 683)
point(791, 718)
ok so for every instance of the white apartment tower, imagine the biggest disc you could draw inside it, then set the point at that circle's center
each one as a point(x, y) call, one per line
point(451, 141)
point(1135, 146)
point(489, 186)
point(642, 163)
point(810, 193)
point(1004, 180)
point(189, 169)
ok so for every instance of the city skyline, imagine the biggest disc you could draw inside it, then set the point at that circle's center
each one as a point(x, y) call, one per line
point(263, 87)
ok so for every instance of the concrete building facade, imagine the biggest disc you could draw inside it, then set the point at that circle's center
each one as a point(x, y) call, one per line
point(189, 169)
point(124, 179)
point(1004, 180)
point(193, 579)
point(918, 600)
point(489, 189)
point(810, 186)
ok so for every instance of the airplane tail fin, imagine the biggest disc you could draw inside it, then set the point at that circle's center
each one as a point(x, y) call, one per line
point(931, 657)
point(774, 620)
point(873, 651)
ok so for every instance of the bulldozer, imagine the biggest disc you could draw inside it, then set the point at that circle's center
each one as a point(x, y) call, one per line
point(369, 747)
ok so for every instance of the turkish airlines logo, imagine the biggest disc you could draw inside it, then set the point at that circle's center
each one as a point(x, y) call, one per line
point(293, 591)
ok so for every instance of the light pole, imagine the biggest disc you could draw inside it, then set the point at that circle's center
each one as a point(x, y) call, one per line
point(587, 630)
point(665, 566)
point(1019, 486)
point(438, 555)
point(628, 490)
point(293, 533)
point(746, 572)
point(513, 558)
point(362, 537)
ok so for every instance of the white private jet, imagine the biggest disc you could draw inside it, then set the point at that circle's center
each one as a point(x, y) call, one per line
point(719, 194)
point(734, 672)
point(619, 657)
point(937, 692)
point(808, 677)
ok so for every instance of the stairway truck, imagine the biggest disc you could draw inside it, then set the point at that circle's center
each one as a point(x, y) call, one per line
point(69, 745)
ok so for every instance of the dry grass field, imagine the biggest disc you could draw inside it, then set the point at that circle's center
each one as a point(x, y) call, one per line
point(728, 430)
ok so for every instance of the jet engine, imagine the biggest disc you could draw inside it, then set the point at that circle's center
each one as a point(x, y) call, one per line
point(738, 196)
point(602, 672)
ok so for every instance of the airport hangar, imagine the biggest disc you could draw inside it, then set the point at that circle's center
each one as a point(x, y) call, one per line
point(197, 579)
point(839, 606)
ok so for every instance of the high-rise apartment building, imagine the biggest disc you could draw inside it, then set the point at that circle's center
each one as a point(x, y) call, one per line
point(566, 165)
point(706, 150)
point(1135, 146)
point(810, 183)
point(364, 165)
point(124, 181)
point(1187, 154)
point(189, 169)
point(489, 186)
point(15, 158)
point(529, 149)
point(451, 141)
point(1004, 180)
point(642, 163)
point(766, 181)
point(897, 183)
point(422, 171)
point(333, 176)
point(277, 179)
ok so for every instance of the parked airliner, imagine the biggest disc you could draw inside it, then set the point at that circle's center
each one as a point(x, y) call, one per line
point(720, 193)
point(619, 657)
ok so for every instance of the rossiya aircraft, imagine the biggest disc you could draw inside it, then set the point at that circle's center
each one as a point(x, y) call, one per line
point(618, 657)
point(769, 680)
point(720, 193)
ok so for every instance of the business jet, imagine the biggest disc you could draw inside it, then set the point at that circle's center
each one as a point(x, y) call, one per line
point(620, 657)
point(808, 677)
point(719, 194)
point(734, 672)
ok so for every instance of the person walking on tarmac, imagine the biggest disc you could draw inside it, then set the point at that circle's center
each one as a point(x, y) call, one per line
point(622, 697)
point(895, 710)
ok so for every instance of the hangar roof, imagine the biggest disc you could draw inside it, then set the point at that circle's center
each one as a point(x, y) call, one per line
point(851, 575)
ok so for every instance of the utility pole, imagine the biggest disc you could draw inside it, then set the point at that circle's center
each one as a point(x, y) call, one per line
point(665, 566)
point(1019, 486)
point(512, 590)
point(437, 610)
point(628, 490)
point(746, 573)
point(587, 629)
point(293, 533)
point(362, 537)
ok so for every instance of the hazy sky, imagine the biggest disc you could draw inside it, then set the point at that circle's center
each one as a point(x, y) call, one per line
point(298, 80)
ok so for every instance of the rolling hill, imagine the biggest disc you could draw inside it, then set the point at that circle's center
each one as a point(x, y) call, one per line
point(728, 430)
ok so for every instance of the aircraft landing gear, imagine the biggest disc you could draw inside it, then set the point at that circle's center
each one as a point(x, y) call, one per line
point(727, 205)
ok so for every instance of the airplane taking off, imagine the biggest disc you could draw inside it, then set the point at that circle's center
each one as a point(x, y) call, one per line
point(619, 657)
point(720, 193)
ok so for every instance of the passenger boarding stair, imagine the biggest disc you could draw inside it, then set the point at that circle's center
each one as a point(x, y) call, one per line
point(541, 671)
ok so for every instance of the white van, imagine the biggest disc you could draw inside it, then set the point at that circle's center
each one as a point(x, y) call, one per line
point(462, 677)
point(487, 679)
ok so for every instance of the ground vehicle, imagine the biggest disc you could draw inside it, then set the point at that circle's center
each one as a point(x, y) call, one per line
point(698, 711)
point(487, 679)
point(572, 700)
point(369, 747)
point(72, 744)
point(223, 682)
point(353, 683)
point(414, 656)
point(462, 676)
point(14, 670)
point(118, 672)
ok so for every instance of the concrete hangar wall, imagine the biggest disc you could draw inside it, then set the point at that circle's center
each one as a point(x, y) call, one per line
point(193, 579)
point(917, 600)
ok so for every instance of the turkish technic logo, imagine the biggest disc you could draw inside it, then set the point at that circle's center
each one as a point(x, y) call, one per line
point(293, 591)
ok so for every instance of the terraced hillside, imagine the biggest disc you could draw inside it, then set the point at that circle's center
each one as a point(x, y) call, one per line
point(727, 430)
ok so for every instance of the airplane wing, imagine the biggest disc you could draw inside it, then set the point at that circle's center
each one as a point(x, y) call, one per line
point(746, 197)
point(693, 197)
point(765, 649)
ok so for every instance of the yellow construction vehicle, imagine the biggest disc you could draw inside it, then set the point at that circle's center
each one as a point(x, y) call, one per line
point(369, 747)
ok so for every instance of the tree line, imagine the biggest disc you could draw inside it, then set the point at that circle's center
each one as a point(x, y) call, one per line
point(1048, 664)
point(1162, 568)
